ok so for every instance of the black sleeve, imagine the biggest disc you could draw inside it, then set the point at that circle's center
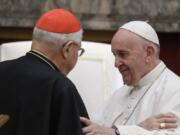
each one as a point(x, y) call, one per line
point(66, 109)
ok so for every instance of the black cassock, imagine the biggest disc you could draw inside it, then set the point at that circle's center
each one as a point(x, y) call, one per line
point(38, 98)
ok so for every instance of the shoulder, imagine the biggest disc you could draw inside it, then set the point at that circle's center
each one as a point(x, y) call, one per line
point(172, 80)
point(170, 83)
point(64, 85)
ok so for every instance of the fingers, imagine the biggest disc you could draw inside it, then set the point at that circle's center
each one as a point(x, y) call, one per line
point(167, 120)
point(86, 130)
point(86, 121)
point(161, 121)
point(4, 119)
point(167, 115)
point(170, 125)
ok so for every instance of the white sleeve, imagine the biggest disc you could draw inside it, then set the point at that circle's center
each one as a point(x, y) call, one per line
point(136, 130)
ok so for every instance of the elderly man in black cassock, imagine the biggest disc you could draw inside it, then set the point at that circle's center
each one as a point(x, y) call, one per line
point(36, 97)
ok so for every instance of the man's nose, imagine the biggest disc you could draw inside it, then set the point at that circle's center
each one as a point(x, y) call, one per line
point(118, 62)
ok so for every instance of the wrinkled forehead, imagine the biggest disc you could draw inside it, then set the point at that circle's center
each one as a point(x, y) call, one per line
point(123, 35)
point(126, 40)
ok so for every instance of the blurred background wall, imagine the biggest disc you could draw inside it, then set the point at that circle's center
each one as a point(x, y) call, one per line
point(100, 19)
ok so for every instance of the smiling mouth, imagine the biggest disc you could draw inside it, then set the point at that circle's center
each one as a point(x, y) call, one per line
point(124, 70)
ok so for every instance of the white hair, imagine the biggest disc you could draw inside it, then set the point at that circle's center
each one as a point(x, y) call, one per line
point(157, 47)
point(56, 38)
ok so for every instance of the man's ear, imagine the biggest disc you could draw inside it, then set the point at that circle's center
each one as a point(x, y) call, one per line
point(150, 50)
point(66, 48)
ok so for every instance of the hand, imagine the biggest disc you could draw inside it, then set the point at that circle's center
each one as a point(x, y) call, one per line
point(95, 129)
point(4, 119)
point(166, 121)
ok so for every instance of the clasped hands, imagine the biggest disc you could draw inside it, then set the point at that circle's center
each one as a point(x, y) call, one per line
point(167, 121)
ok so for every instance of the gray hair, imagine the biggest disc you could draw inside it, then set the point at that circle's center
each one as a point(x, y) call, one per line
point(56, 38)
point(157, 47)
point(146, 41)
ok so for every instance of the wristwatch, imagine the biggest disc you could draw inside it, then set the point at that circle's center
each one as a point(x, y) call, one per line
point(117, 131)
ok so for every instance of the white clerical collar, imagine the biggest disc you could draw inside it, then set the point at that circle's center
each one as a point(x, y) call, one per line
point(152, 75)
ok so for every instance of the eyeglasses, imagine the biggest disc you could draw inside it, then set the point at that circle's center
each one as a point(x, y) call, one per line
point(80, 51)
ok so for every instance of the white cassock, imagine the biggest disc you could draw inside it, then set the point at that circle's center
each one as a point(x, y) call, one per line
point(157, 92)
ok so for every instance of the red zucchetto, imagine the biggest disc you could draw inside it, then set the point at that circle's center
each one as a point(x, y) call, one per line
point(59, 21)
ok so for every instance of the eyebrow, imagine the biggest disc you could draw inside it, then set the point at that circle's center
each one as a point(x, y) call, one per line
point(120, 51)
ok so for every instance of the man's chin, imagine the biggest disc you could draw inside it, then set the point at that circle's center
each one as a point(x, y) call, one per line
point(131, 84)
point(128, 83)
